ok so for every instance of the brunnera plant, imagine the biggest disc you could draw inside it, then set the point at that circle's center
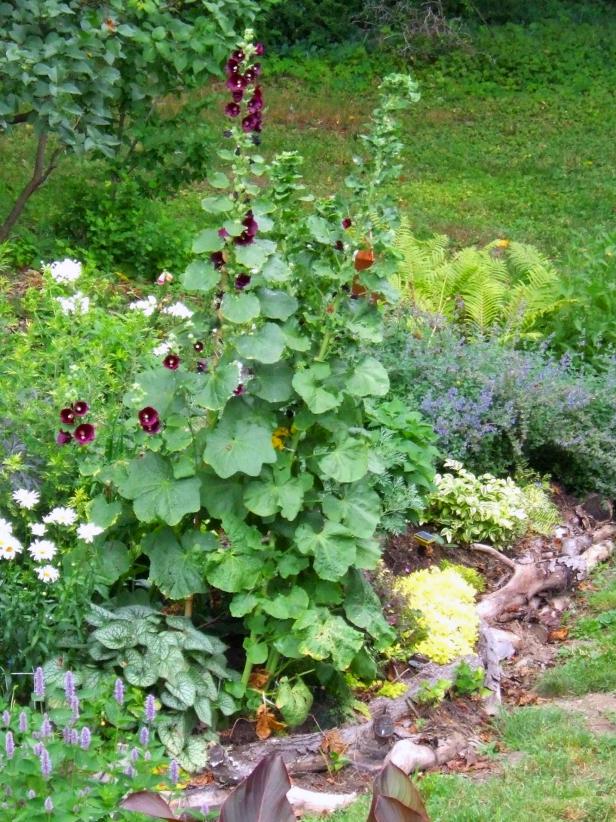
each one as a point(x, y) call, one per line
point(253, 489)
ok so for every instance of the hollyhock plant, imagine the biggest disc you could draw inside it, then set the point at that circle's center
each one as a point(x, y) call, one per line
point(84, 434)
point(232, 109)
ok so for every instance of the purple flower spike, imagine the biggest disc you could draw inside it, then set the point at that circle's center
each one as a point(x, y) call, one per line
point(144, 736)
point(23, 722)
point(67, 416)
point(45, 763)
point(80, 408)
point(134, 754)
point(38, 749)
point(46, 727)
point(232, 109)
point(66, 735)
point(6, 719)
point(172, 362)
point(118, 691)
point(9, 744)
point(69, 686)
point(85, 739)
point(31, 794)
point(241, 281)
point(74, 706)
point(48, 804)
point(174, 772)
point(84, 433)
point(63, 437)
point(150, 708)
point(39, 683)
point(73, 737)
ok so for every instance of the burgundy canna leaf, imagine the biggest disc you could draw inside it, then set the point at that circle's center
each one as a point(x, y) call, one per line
point(395, 798)
point(262, 797)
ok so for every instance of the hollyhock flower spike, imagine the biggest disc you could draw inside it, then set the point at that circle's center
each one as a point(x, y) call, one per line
point(84, 434)
point(232, 109)
point(172, 362)
point(80, 408)
point(63, 437)
point(67, 416)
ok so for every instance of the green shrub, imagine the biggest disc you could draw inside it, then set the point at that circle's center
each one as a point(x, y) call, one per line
point(470, 575)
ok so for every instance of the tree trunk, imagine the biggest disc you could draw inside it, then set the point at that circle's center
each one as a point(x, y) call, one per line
point(40, 173)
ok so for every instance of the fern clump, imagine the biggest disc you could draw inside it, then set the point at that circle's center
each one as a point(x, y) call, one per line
point(505, 284)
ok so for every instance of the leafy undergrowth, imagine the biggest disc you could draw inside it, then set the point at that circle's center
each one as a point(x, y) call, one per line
point(565, 772)
point(590, 665)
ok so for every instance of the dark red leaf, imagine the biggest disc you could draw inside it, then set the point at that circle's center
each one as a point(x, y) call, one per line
point(149, 803)
point(385, 809)
point(395, 794)
point(261, 797)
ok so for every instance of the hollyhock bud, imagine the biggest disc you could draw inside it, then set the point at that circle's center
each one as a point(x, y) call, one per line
point(80, 408)
point(232, 109)
point(241, 281)
point(63, 437)
point(347, 222)
point(198, 346)
point(238, 55)
point(67, 416)
point(172, 362)
point(339, 245)
point(259, 49)
point(84, 433)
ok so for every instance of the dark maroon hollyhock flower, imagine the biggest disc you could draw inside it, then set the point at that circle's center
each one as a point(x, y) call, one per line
point(241, 389)
point(259, 49)
point(201, 366)
point(153, 428)
point(198, 346)
point(255, 104)
point(252, 122)
point(172, 362)
point(237, 55)
point(236, 83)
point(63, 437)
point(81, 408)
point(347, 222)
point(237, 96)
point(84, 433)
point(222, 232)
point(67, 416)
point(339, 245)
point(217, 259)
point(232, 67)
point(241, 281)
point(251, 227)
point(232, 110)
point(148, 415)
point(252, 72)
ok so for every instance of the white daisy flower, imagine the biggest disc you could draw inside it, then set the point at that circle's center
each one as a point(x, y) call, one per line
point(5, 525)
point(26, 499)
point(38, 528)
point(42, 549)
point(179, 310)
point(10, 546)
point(47, 573)
point(147, 306)
point(61, 516)
point(88, 531)
point(65, 271)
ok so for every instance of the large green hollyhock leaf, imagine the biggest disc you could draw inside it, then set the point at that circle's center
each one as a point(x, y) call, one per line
point(156, 387)
point(254, 254)
point(172, 569)
point(240, 308)
point(273, 382)
point(265, 497)
point(369, 379)
point(233, 572)
point(112, 561)
point(293, 336)
point(265, 345)
point(348, 462)
point(329, 637)
point(278, 305)
point(368, 554)
point(239, 447)
point(156, 495)
point(207, 240)
point(221, 497)
point(363, 608)
point(309, 385)
point(219, 204)
point(276, 270)
point(200, 275)
point(333, 548)
point(359, 509)
point(286, 606)
point(219, 387)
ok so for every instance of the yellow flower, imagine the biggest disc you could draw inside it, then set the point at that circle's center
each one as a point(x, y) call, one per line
point(502, 243)
point(278, 438)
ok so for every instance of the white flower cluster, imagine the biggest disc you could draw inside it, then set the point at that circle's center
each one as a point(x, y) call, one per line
point(77, 304)
point(10, 546)
point(64, 271)
point(179, 310)
point(147, 306)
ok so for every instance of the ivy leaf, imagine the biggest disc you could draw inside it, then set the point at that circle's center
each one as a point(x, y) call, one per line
point(333, 548)
point(273, 382)
point(254, 254)
point(239, 447)
point(293, 701)
point(200, 275)
point(369, 379)
point(363, 608)
point(219, 387)
point(171, 569)
point(265, 345)
point(348, 462)
point(156, 495)
point(330, 637)
point(359, 509)
point(308, 384)
point(278, 305)
point(240, 308)
point(207, 240)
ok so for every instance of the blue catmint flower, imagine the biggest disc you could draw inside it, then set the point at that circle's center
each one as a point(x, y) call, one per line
point(45, 761)
point(74, 706)
point(39, 683)
point(134, 754)
point(129, 771)
point(118, 691)
point(9, 745)
point(150, 708)
point(46, 727)
point(174, 772)
point(144, 736)
point(85, 738)
point(48, 804)
point(23, 722)
point(69, 686)
point(6, 719)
